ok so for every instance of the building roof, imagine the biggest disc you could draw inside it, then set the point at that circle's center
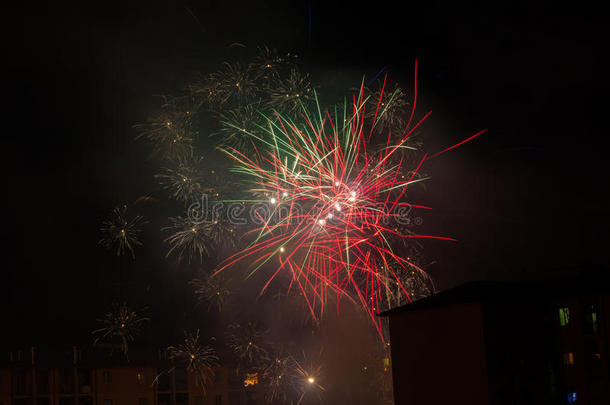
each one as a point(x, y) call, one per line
point(489, 291)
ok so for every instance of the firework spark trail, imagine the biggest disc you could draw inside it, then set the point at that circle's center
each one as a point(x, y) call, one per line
point(332, 198)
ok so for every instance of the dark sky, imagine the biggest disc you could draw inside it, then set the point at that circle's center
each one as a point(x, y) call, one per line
point(528, 197)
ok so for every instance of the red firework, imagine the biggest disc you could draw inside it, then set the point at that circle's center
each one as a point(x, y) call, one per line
point(335, 202)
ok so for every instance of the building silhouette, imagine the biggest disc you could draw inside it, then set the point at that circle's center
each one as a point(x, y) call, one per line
point(101, 375)
point(492, 343)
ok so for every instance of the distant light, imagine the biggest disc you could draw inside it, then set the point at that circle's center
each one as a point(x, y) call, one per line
point(282, 249)
point(311, 380)
point(285, 194)
point(338, 207)
point(353, 194)
point(272, 200)
point(337, 183)
point(322, 222)
point(330, 215)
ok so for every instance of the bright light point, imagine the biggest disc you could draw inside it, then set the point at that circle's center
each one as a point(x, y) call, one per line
point(282, 249)
point(351, 199)
point(338, 207)
point(337, 183)
point(353, 194)
point(322, 222)
point(272, 201)
point(285, 194)
point(311, 380)
point(329, 216)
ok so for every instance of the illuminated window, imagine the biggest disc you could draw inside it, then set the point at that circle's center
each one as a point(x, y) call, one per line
point(572, 397)
point(386, 363)
point(141, 378)
point(251, 379)
point(568, 359)
point(564, 316)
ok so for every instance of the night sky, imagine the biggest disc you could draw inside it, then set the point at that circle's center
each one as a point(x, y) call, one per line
point(524, 200)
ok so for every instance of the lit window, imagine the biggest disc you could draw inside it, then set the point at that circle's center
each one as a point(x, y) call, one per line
point(141, 378)
point(251, 379)
point(564, 316)
point(593, 318)
point(568, 359)
point(572, 397)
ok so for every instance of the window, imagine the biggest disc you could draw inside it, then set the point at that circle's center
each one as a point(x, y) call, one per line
point(591, 324)
point(84, 381)
point(597, 392)
point(593, 357)
point(164, 399)
point(106, 377)
point(180, 375)
point(572, 397)
point(568, 359)
point(21, 382)
point(182, 399)
point(234, 398)
point(108, 402)
point(66, 381)
point(218, 400)
point(251, 379)
point(42, 382)
point(143, 401)
point(141, 379)
point(163, 381)
point(564, 316)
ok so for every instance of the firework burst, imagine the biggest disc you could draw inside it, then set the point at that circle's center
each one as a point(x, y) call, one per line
point(267, 64)
point(212, 290)
point(391, 115)
point(196, 357)
point(248, 343)
point(278, 376)
point(169, 134)
point(335, 204)
point(122, 231)
point(195, 238)
point(238, 126)
point(183, 179)
point(234, 84)
point(308, 373)
point(121, 323)
point(288, 94)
